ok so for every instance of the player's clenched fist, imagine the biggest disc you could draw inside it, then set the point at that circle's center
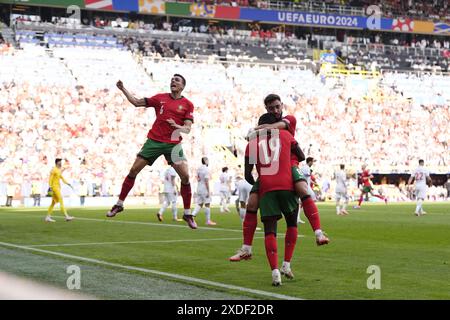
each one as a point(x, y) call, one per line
point(119, 85)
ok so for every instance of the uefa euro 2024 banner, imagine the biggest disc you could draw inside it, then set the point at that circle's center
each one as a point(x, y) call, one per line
point(304, 18)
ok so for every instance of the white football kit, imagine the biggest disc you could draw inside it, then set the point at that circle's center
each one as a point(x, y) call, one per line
point(420, 176)
point(244, 189)
point(305, 170)
point(203, 197)
point(341, 185)
point(169, 189)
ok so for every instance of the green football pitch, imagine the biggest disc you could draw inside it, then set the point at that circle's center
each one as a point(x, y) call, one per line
point(134, 256)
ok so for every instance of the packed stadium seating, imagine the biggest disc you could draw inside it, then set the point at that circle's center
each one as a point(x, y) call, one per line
point(58, 98)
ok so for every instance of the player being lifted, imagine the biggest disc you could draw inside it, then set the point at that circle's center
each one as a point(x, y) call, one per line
point(422, 178)
point(225, 190)
point(274, 106)
point(169, 194)
point(55, 189)
point(174, 114)
point(271, 152)
point(341, 191)
point(367, 187)
point(204, 192)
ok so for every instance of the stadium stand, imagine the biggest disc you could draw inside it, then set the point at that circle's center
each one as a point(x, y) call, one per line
point(58, 97)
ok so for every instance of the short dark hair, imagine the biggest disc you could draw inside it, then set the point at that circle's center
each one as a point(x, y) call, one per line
point(342, 166)
point(179, 75)
point(267, 118)
point(224, 169)
point(271, 97)
point(58, 160)
point(309, 159)
point(204, 160)
point(421, 161)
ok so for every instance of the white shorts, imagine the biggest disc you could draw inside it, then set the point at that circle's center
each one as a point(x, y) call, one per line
point(341, 195)
point(421, 193)
point(244, 193)
point(203, 198)
point(225, 194)
point(170, 197)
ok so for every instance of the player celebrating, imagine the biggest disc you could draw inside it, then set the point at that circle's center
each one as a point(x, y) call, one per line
point(341, 191)
point(367, 187)
point(225, 190)
point(204, 192)
point(272, 156)
point(174, 114)
point(169, 194)
point(422, 179)
point(274, 106)
point(55, 189)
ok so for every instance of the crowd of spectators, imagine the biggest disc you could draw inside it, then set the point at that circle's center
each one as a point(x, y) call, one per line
point(86, 120)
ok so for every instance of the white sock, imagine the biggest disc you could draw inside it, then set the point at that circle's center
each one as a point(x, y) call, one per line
point(338, 209)
point(419, 206)
point(163, 208)
point(318, 232)
point(344, 206)
point(187, 212)
point(119, 203)
point(242, 214)
point(247, 248)
point(175, 211)
point(208, 214)
point(286, 265)
point(196, 210)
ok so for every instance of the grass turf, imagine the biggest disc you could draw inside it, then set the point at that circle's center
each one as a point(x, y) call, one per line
point(413, 254)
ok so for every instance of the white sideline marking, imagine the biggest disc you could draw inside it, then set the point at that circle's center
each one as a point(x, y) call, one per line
point(184, 226)
point(130, 242)
point(155, 272)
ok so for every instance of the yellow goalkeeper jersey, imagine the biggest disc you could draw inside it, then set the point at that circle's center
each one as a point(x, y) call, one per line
point(55, 175)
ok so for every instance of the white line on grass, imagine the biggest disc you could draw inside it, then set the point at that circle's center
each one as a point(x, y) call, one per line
point(187, 279)
point(159, 224)
point(130, 242)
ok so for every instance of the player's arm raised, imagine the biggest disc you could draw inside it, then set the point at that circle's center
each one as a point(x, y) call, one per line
point(133, 100)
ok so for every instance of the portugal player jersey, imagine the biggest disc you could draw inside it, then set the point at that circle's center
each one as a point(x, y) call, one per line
point(168, 108)
point(365, 177)
point(272, 156)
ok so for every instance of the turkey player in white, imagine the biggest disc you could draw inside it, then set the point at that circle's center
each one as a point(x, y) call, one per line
point(422, 179)
point(170, 194)
point(243, 188)
point(341, 191)
point(204, 192)
point(225, 190)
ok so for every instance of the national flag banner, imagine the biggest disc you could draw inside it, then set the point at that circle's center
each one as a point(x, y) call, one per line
point(442, 28)
point(226, 12)
point(202, 10)
point(99, 4)
point(152, 6)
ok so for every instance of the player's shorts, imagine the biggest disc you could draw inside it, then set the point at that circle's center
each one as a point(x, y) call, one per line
point(296, 176)
point(170, 197)
point(367, 189)
point(152, 150)
point(421, 193)
point(56, 196)
point(225, 194)
point(340, 194)
point(203, 198)
point(244, 192)
point(274, 203)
